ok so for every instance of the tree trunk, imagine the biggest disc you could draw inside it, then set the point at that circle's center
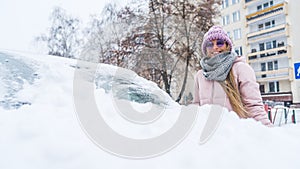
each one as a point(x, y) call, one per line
point(184, 79)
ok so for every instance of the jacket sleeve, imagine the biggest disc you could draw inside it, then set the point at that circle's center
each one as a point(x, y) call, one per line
point(250, 93)
point(196, 99)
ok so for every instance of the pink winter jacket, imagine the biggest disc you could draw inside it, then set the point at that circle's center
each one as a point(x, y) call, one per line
point(211, 92)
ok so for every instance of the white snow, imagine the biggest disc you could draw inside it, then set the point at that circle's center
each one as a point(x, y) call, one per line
point(45, 133)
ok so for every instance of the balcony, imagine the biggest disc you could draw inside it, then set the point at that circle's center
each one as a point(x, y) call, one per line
point(278, 35)
point(269, 54)
point(263, 59)
point(274, 75)
point(271, 11)
point(267, 31)
point(277, 31)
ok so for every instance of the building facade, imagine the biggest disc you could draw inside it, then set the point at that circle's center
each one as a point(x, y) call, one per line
point(265, 32)
point(232, 18)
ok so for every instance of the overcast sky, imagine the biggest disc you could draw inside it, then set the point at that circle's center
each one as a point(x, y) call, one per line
point(22, 20)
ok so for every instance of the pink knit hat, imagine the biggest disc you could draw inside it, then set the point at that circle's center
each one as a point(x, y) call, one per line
point(215, 32)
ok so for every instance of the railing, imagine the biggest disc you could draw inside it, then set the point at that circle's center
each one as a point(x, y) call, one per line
point(253, 59)
point(267, 31)
point(268, 53)
point(271, 75)
point(264, 12)
point(282, 111)
point(273, 72)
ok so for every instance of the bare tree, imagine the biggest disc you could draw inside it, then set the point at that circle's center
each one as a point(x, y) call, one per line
point(63, 38)
point(155, 40)
point(192, 19)
point(109, 34)
point(172, 35)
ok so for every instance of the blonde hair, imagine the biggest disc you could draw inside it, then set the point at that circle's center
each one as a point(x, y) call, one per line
point(232, 91)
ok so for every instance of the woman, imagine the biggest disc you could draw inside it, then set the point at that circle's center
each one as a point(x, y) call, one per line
point(226, 79)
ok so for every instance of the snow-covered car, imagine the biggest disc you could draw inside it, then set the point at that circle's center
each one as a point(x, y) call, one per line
point(17, 72)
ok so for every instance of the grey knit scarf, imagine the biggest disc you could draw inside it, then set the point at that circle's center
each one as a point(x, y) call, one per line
point(218, 67)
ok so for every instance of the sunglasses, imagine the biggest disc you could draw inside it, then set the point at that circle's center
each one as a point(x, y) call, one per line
point(220, 43)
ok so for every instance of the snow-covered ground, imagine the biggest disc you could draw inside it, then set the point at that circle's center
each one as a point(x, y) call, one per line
point(42, 124)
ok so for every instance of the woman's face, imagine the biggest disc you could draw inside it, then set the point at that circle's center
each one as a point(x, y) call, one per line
point(215, 47)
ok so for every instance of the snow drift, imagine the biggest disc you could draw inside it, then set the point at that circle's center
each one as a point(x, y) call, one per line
point(40, 127)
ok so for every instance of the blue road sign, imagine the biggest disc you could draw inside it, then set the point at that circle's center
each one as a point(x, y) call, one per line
point(297, 70)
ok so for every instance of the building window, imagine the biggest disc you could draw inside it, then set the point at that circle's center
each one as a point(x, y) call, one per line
point(274, 43)
point(268, 45)
point(259, 8)
point(275, 65)
point(261, 47)
point(239, 50)
point(270, 65)
point(228, 33)
point(262, 88)
point(225, 3)
point(266, 5)
point(280, 44)
point(235, 1)
point(270, 24)
point(274, 86)
point(236, 16)
point(273, 23)
point(263, 66)
point(260, 27)
point(267, 25)
point(226, 20)
point(237, 34)
point(271, 87)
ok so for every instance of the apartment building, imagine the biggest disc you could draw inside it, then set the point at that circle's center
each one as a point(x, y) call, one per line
point(232, 18)
point(265, 32)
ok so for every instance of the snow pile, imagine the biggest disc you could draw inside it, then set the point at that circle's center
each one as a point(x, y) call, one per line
point(48, 134)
